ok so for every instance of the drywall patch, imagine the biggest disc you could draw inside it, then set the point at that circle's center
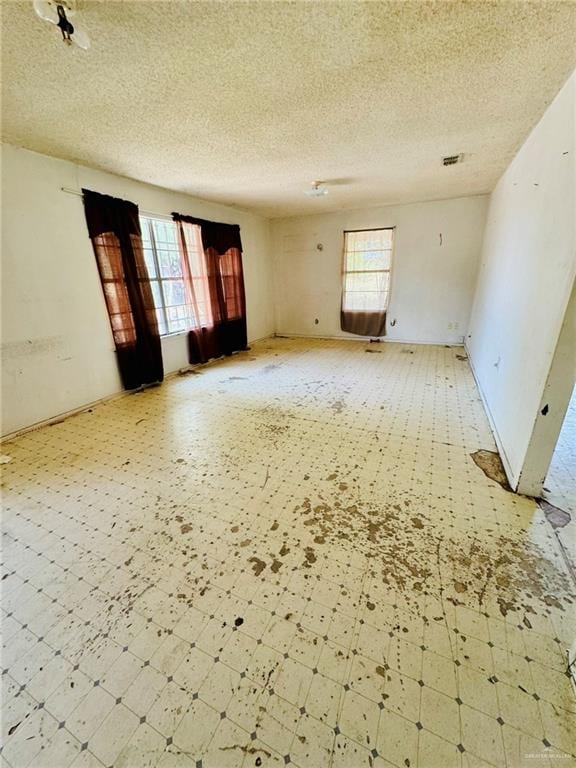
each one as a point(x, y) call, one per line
point(491, 464)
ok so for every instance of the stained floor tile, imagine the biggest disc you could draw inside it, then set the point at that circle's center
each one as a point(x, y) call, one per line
point(289, 558)
point(560, 484)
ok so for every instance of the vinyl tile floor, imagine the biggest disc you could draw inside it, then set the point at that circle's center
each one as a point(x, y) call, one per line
point(560, 484)
point(286, 558)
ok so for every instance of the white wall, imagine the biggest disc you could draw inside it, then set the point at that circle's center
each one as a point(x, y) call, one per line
point(553, 405)
point(57, 347)
point(436, 252)
point(527, 272)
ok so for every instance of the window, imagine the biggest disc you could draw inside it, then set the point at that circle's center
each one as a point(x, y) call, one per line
point(230, 268)
point(170, 286)
point(111, 268)
point(367, 264)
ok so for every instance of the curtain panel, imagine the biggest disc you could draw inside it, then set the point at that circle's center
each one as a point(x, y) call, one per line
point(221, 325)
point(363, 323)
point(114, 228)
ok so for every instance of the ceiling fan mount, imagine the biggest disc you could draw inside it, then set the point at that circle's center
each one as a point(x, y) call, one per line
point(58, 13)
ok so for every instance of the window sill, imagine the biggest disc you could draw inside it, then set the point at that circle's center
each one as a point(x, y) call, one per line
point(173, 335)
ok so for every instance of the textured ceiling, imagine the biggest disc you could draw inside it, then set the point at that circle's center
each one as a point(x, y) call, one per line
point(247, 102)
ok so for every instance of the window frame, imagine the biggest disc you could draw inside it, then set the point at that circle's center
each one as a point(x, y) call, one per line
point(345, 271)
point(148, 221)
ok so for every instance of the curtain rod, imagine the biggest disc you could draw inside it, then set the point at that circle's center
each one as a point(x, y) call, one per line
point(78, 193)
point(372, 229)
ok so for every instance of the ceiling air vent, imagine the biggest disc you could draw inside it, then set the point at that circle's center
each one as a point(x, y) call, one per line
point(452, 159)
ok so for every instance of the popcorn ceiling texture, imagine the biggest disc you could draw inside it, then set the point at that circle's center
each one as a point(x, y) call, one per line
point(246, 103)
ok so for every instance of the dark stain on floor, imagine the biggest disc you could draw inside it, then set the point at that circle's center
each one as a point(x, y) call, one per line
point(414, 554)
point(558, 518)
point(258, 565)
point(491, 464)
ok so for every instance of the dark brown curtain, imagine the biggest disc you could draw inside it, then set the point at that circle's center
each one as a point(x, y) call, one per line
point(218, 283)
point(114, 229)
point(363, 323)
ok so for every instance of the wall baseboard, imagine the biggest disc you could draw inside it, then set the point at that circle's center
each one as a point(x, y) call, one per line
point(366, 339)
point(270, 335)
point(106, 399)
point(495, 434)
point(60, 417)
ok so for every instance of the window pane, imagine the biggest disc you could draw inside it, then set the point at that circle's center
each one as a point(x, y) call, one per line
point(177, 319)
point(367, 260)
point(366, 282)
point(163, 330)
point(149, 260)
point(174, 292)
point(165, 234)
point(369, 240)
point(145, 227)
point(156, 295)
point(169, 262)
point(162, 257)
point(366, 291)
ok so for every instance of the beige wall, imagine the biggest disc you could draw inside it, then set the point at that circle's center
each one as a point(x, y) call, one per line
point(436, 253)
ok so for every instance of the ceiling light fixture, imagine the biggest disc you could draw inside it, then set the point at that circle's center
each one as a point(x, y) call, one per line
point(57, 12)
point(317, 190)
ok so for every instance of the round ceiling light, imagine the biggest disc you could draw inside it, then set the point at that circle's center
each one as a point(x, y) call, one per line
point(316, 190)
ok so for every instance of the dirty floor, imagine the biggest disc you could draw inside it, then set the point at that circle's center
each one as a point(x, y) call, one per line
point(288, 558)
point(560, 483)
